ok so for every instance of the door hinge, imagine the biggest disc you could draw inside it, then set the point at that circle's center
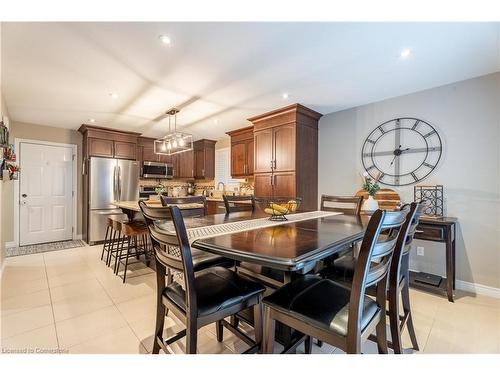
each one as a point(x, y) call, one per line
point(73, 193)
point(73, 157)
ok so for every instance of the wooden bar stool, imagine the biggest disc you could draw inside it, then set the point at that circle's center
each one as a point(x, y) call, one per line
point(112, 239)
point(134, 244)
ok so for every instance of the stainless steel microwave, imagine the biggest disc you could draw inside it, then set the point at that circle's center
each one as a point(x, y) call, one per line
point(151, 169)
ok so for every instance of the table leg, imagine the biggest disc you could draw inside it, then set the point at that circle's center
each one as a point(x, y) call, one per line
point(450, 264)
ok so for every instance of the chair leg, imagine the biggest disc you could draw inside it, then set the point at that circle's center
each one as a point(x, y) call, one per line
point(219, 330)
point(269, 330)
point(394, 318)
point(119, 252)
point(257, 318)
point(234, 320)
point(105, 245)
point(160, 307)
point(308, 345)
point(405, 297)
point(191, 337)
point(126, 258)
point(381, 326)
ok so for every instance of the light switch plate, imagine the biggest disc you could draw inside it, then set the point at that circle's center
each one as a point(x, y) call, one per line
point(420, 251)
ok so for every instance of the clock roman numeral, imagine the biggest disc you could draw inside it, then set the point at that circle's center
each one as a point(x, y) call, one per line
point(429, 165)
point(381, 129)
point(370, 168)
point(414, 176)
point(415, 125)
point(429, 134)
point(370, 141)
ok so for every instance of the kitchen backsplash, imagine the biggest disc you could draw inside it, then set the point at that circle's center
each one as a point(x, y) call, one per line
point(179, 187)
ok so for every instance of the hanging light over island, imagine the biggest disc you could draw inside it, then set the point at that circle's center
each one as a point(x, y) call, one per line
point(173, 142)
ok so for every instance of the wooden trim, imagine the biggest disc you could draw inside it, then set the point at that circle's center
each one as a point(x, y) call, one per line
point(299, 108)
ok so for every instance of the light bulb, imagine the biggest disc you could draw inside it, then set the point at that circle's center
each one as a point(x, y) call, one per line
point(181, 142)
point(174, 143)
point(169, 146)
point(163, 146)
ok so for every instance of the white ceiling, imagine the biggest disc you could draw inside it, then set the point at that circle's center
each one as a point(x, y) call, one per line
point(61, 74)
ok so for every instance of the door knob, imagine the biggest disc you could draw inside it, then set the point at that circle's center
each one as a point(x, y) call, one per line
point(24, 195)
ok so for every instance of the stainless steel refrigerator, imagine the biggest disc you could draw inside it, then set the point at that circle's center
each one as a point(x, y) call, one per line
point(109, 180)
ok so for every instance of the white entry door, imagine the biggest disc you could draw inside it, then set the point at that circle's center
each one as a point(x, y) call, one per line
point(45, 194)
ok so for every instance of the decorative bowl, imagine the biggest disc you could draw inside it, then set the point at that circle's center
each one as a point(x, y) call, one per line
point(278, 207)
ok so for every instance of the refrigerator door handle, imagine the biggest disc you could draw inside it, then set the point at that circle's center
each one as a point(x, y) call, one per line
point(114, 183)
point(119, 183)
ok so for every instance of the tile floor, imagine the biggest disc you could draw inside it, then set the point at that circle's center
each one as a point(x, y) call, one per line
point(68, 301)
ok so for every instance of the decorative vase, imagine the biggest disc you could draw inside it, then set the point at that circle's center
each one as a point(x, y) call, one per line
point(370, 204)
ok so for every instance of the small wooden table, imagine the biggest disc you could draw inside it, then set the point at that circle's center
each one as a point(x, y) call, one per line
point(442, 230)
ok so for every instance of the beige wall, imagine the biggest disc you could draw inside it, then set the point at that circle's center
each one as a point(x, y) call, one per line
point(48, 134)
point(466, 114)
point(3, 112)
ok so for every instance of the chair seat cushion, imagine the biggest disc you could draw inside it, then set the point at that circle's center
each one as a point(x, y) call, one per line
point(203, 259)
point(322, 303)
point(217, 288)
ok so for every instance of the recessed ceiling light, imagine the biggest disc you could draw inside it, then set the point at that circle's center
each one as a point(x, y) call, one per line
point(91, 119)
point(284, 95)
point(216, 121)
point(113, 95)
point(165, 39)
point(405, 53)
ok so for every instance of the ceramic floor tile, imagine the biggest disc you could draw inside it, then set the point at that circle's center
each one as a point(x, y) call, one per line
point(144, 329)
point(82, 328)
point(133, 288)
point(23, 272)
point(138, 308)
point(80, 305)
point(120, 341)
point(13, 288)
point(14, 324)
point(23, 302)
point(62, 292)
point(75, 275)
point(38, 340)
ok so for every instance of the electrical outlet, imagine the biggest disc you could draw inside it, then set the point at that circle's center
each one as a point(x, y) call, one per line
point(420, 251)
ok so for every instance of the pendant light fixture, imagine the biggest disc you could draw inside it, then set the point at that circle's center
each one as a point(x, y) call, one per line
point(173, 142)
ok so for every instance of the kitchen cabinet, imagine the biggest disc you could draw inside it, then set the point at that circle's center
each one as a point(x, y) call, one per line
point(186, 164)
point(108, 143)
point(242, 152)
point(204, 159)
point(286, 154)
point(125, 150)
point(100, 147)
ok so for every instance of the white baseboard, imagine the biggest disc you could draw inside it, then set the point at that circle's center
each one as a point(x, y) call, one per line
point(78, 237)
point(481, 289)
point(8, 245)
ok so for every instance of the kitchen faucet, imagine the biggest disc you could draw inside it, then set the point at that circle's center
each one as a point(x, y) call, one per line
point(223, 186)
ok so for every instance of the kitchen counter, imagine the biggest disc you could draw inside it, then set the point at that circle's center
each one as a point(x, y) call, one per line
point(134, 205)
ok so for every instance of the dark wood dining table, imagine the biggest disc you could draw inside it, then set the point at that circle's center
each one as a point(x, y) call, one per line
point(289, 246)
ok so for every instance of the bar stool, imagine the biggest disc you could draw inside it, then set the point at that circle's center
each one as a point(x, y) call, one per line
point(133, 244)
point(112, 238)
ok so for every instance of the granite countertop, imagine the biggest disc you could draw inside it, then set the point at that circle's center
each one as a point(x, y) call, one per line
point(134, 205)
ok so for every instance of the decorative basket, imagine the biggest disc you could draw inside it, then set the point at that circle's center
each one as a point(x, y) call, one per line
point(278, 207)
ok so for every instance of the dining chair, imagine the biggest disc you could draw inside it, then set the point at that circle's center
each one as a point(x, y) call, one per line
point(201, 259)
point(193, 205)
point(331, 312)
point(342, 271)
point(238, 203)
point(345, 205)
point(207, 296)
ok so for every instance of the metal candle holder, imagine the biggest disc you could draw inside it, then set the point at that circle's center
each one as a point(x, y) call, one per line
point(432, 199)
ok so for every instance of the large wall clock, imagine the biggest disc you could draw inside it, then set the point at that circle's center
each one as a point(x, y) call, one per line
point(402, 151)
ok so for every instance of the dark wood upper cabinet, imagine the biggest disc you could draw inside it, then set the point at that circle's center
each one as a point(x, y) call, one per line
point(125, 150)
point(204, 159)
point(186, 164)
point(108, 143)
point(242, 152)
point(100, 147)
point(286, 154)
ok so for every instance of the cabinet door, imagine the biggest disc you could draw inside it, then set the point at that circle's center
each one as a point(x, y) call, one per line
point(262, 185)
point(148, 153)
point(284, 148)
point(165, 158)
point(250, 158)
point(125, 150)
point(100, 147)
point(174, 159)
point(186, 164)
point(263, 150)
point(284, 185)
point(209, 163)
point(199, 164)
point(238, 159)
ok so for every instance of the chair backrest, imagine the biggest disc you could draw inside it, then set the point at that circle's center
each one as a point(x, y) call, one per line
point(239, 203)
point(403, 244)
point(346, 205)
point(373, 260)
point(174, 252)
point(200, 201)
point(154, 213)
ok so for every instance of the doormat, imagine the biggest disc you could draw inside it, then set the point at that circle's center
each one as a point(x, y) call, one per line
point(42, 248)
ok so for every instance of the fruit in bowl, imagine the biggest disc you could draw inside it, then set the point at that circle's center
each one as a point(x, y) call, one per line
point(279, 207)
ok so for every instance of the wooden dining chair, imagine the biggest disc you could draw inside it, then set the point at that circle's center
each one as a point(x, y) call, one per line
point(238, 203)
point(199, 202)
point(342, 271)
point(207, 296)
point(345, 205)
point(201, 259)
point(331, 312)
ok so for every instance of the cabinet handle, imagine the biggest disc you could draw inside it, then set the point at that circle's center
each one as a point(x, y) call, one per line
point(271, 164)
point(271, 180)
point(419, 231)
point(203, 172)
point(192, 172)
point(274, 179)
